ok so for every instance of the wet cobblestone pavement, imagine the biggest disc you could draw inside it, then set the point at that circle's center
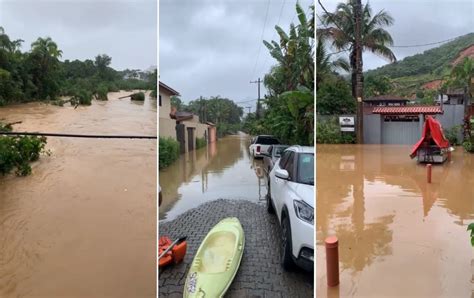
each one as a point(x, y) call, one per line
point(260, 273)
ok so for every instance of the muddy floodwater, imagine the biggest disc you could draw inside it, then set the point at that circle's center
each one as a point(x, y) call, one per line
point(83, 224)
point(398, 235)
point(223, 169)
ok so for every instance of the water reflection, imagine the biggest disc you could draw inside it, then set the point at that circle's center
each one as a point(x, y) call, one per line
point(222, 170)
point(392, 223)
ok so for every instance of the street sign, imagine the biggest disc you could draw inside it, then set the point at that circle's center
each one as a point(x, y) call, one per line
point(347, 128)
point(347, 123)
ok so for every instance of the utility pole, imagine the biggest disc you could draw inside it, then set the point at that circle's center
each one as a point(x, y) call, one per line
point(249, 109)
point(258, 100)
point(357, 76)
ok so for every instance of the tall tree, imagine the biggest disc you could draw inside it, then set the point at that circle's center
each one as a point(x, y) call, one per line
point(354, 28)
point(43, 63)
point(102, 63)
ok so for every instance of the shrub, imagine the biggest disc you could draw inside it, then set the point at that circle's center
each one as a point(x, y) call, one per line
point(82, 97)
point(329, 133)
point(18, 152)
point(113, 88)
point(469, 145)
point(168, 152)
point(201, 142)
point(470, 227)
point(138, 96)
point(102, 92)
point(452, 134)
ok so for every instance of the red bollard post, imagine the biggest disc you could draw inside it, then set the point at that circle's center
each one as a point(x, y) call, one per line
point(428, 172)
point(332, 261)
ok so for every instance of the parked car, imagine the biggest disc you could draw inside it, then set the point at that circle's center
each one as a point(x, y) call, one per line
point(291, 196)
point(260, 144)
point(271, 156)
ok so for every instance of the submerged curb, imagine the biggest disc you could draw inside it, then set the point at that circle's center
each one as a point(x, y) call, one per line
point(260, 273)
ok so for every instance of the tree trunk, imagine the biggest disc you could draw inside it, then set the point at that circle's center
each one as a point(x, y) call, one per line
point(357, 76)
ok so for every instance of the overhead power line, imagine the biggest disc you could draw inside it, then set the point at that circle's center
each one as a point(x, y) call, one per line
point(393, 46)
point(261, 39)
point(423, 45)
point(245, 101)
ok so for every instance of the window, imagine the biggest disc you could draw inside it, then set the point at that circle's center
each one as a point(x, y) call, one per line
point(279, 150)
point(160, 100)
point(284, 159)
point(270, 149)
point(290, 165)
point(267, 141)
point(305, 168)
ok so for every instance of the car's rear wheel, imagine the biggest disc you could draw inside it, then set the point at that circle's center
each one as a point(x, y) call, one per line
point(270, 208)
point(286, 247)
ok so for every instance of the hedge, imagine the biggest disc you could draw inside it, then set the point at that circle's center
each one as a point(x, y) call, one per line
point(168, 152)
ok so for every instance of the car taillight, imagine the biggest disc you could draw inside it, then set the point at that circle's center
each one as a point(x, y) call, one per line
point(258, 149)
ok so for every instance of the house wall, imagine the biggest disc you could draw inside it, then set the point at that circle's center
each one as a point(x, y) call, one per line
point(453, 116)
point(165, 107)
point(167, 128)
point(200, 131)
point(212, 134)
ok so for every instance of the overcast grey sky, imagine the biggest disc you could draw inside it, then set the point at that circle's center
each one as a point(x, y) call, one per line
point(124, 30)
point(418, 22)
point(210, 47)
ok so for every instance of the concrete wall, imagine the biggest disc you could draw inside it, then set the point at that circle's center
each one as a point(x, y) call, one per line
point(165, 108)
point(376, 131)
point(212, 134)
point(167, 128)
point(453, 116)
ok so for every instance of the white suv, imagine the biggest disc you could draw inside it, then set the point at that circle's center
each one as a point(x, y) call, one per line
point(291, 196)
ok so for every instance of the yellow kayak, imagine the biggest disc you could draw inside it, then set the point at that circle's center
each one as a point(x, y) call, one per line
point(217, 260)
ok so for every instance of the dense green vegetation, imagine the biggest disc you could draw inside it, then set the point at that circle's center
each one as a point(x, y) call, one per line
point(328, 132)
point(288, 109)
point(408, 75)
point(16, 153)
point(436, 61)
point(38, 74)
point(221, 111)
point(470, 228)
point(168, 152)
point(201, 142)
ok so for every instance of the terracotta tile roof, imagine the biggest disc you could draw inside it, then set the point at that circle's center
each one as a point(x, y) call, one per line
point(408, 110)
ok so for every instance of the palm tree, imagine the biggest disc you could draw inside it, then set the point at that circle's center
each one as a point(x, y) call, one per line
point(46, 47)
point(341, 30)
point(324, 64)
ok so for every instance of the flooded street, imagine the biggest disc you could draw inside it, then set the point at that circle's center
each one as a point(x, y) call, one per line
point(83, 223)
point(222, 170)
point(398, 235)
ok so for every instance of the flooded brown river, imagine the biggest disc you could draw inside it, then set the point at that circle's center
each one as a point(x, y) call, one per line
point(398, 235)
point(222, 170)
point(83, 224)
